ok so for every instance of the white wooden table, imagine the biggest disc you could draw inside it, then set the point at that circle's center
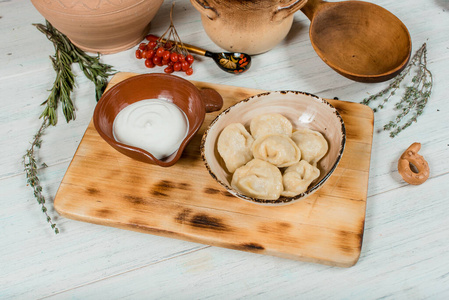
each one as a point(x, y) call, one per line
point(405, 252)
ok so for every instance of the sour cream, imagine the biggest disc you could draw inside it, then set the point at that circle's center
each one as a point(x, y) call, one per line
point(155, 125)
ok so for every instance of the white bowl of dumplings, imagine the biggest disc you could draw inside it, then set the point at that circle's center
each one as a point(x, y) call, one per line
point(274, 148)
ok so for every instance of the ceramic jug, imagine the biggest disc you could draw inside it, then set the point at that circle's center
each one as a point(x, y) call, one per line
point(249, 26)
point(103, 26)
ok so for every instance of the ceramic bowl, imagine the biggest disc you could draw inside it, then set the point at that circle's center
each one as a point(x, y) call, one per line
point(303, 110)
point(191, 100)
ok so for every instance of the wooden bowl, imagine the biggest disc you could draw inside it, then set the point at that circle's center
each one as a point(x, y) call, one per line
point(303, 110)
point(192, 101)
point(360, 40)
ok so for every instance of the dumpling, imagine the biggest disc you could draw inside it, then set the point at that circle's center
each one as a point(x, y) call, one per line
point(270, 124)
point(297, 178)
point(258, 179)
point(234, 146)
point(277, 149)
point(312, 144)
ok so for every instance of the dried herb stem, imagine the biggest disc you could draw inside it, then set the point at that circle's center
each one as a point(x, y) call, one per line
point(415, 96)
point(31, 170)
point(66, 54)
point(170, 38)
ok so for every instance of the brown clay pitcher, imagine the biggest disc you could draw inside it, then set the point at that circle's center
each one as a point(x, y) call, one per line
point(249, 26)
point(194, 102)
point(104, 26)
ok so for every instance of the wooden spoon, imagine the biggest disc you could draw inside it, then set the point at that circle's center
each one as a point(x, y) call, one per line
point(231, 62)
point(360, 40)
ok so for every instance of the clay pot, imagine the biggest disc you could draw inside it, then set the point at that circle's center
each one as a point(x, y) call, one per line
point(104, 26)
point(251, 27)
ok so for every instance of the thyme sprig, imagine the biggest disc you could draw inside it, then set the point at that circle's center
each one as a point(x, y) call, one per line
point(415, 97)
point(66, 54)
point(29, 161)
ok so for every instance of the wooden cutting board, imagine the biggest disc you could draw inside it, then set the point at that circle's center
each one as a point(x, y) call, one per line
point(104, 187)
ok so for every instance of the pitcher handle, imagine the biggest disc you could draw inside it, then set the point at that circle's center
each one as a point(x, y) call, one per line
point(283, 11)
point(205, 8)
point(212, 99)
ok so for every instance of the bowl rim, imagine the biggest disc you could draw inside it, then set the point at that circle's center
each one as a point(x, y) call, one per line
point(379, 77)
point(149, 157)
point(281, 200)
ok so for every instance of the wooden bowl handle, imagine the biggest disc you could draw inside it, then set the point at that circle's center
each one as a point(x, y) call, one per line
point(311, 7)
point(286, 10)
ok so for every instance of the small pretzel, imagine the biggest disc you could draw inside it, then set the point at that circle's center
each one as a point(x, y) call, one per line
point(411, 156)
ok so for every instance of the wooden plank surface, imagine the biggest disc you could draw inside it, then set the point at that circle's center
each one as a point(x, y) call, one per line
point(104, 187)
point(405, 252)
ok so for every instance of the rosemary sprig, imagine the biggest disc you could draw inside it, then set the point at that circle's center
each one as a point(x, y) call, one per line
point(62, 88)
point(415, 96)
point(66, 54)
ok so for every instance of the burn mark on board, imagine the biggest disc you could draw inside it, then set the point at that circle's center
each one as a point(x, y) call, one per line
point(201, 221)
point(165, 184)
point(103, 213)
point(349, 242)
point(184, 186)
point(163, 188)
point(252, 247)
point(135, 199)
point(93, 191)
point(284, 225)
point(227, 194)
point(158, 193)
point(183, 216)
point(213, 191)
